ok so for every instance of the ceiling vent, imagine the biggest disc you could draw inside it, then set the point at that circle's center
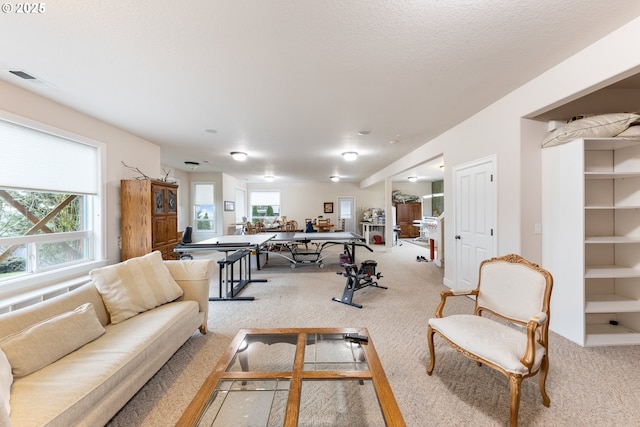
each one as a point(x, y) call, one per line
point(22, 74)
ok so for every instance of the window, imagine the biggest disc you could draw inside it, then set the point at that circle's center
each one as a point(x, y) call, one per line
point(41, 231)
point(50, 209)
point(204, 208)
point(265, 205)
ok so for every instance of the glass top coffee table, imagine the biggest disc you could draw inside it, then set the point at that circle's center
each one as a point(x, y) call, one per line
point(297, 376)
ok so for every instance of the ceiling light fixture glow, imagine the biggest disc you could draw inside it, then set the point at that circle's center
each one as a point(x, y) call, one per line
point(238, 155)
point(269, 178)
point(334, 178)
point(350, 155)
point(412, 178)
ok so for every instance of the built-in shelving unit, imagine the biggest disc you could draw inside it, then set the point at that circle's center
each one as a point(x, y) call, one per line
point(591, 239)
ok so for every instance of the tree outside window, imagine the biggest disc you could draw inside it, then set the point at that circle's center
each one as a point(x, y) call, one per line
point(204, 207)
point(265, 206)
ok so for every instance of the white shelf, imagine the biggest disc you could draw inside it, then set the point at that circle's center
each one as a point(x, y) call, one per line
point(610, 272)
point(612, 239)
point(606, 144)
point(610, 175)
point(612, 207)
point(602, 334)
point(610, 303)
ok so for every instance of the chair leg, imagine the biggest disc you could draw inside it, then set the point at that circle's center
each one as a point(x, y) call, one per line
point(544, 370)
point(432, 353)
point(515, 382)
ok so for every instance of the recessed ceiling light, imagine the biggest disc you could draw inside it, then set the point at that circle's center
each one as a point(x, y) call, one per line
point(363, 132)
point(393, 141)
point(238, 155)
point(350, 155)
point(413, 178)
point(334, 178)
point(211, 131)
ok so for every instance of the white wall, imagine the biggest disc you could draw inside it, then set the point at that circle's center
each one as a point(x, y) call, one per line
point(499, 130)
point(306, 200)
point(121, 147)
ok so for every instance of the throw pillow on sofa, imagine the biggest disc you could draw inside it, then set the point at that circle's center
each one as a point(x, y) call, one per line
point(135, 285)
point(43, 343)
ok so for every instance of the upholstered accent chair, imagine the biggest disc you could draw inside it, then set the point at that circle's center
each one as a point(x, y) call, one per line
point(508, 331)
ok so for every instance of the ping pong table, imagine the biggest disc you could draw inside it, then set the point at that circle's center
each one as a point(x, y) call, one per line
point(291, 246)
point(242, 247)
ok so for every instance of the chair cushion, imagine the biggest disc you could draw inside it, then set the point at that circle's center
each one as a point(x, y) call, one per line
point(492, 341)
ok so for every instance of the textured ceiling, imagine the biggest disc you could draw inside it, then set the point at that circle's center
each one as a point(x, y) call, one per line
point(292, 82)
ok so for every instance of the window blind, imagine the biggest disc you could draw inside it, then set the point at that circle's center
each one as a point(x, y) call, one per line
point(34, 160)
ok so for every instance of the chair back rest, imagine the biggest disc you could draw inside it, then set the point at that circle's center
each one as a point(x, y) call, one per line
point(250, 228)
point(324, 221)
point(186, 235)
point(291, 225)
point(514, 288)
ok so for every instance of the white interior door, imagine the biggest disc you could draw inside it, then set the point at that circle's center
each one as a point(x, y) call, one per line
point(347, 211)
point(475, 219)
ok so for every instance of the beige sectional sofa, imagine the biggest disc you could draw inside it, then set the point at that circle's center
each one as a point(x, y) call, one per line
point(76, 360)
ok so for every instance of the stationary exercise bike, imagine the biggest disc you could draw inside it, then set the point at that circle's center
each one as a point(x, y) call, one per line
point(358, 278)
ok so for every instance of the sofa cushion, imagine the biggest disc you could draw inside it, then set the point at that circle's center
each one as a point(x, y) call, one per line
point(45, 342)
point(99, 378)
point(135, 285)
point(6, 379)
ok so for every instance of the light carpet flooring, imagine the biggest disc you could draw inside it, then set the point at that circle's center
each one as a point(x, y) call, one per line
point(587, 386)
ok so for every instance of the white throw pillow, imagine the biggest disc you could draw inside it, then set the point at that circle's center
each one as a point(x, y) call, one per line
point(602, 126)
point(6, 379)
point(43, 343)
point(633, 132)
point(135, 285)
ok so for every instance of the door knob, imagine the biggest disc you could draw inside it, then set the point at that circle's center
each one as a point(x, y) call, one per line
point(458, 237)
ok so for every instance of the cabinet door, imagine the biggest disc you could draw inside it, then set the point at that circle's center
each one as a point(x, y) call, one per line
point(406, 213)
point(172, 201)
point(159, 200)
point(160, 231)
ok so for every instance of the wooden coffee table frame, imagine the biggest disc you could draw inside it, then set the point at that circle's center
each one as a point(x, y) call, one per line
point(386, 400)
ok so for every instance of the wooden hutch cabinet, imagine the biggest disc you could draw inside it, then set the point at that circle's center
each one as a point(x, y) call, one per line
point(149, 217)
point(406, 213)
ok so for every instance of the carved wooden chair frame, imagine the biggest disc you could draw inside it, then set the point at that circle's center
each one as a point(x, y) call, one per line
point(536, 330)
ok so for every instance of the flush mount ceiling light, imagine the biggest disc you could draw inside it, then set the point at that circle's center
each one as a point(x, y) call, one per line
point(238, 155)
point(412, 178)
point(363, 132)
point(350, 155)
point(211, 131)
point(269, 178)
point(334, 178)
